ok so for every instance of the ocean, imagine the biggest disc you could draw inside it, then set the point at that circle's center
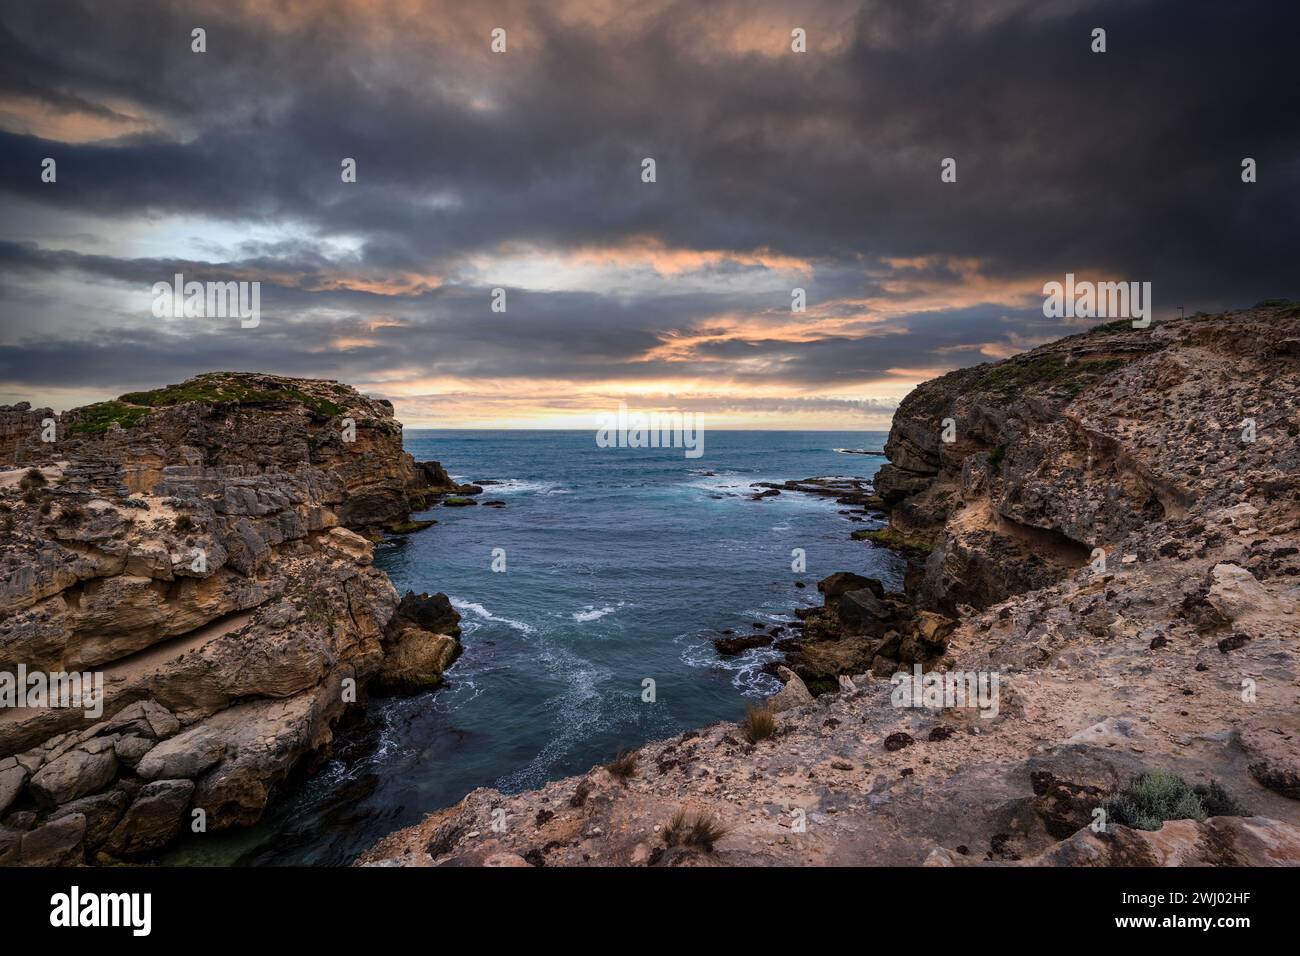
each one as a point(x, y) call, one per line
point(621, 566)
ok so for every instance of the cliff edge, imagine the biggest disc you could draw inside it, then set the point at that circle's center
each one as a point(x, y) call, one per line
point(202, 553)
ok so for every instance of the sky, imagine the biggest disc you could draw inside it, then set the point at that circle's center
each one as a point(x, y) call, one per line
point(522, 170)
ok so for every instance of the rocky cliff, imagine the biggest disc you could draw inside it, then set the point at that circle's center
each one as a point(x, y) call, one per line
point(1108, 525)
point(206, 549)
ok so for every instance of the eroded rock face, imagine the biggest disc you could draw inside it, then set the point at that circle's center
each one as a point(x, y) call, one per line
point(1075, 445)
point(203, 547)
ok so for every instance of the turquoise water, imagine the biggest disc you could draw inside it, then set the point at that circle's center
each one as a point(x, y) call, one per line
point(621, 565)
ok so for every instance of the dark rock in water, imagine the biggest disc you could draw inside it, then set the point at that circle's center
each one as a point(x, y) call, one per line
point(435, 475)
point(432, 613)
point(469, 490)
point(861, 609)
point(842, 581)
point(757, 626)
point(458, 502)
point(730, 646)
point(409, 526)
point(494, 504)
point(800, 584)
point(486, 481)
point(769, 493)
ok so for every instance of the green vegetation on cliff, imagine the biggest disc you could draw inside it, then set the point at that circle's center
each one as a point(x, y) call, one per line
point(216, 390)
point(96, 419)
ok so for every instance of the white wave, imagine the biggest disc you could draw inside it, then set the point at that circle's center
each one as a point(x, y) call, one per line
point(510, 486)
point(592, 613)
point(479, 611)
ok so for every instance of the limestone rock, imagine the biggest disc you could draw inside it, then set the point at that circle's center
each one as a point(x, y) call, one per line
point(153, 819)
point(1272, 744)
point(794, 694)
point(57, 842)
point(72, 775)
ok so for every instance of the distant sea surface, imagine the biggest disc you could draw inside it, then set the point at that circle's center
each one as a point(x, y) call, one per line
point(621, 565)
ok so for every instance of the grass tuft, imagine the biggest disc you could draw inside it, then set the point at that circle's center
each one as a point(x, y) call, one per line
point(623, 766)
point(759, 723)
point(701, 831)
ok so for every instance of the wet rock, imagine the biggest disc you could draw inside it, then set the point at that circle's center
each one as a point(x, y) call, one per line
point(731, 646)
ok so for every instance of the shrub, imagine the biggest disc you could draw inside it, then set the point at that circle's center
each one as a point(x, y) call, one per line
point(623, 766)
point(1217, 801)
point(1147, 801)
point(183, 523)
point(70, 515)
point(46, 506)
point(758, 724)
point(701, 831)
point(32, 478)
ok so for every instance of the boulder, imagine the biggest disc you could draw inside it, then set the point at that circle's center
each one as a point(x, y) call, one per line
point(731, 646)
point(416, 660)
point(862, 609)
point(1236, 594)
point(350, 545)
point(12, 777)
point(842, 581)
point(795, 693)
point(1272, 745)
point(56, 842)
point(187, 754)
point(102, 812)
point(153, 820)
point(435, 476)
point(433, 614)
point(72, 775)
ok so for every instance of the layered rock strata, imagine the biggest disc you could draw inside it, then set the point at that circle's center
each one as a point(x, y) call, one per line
point(206, 551)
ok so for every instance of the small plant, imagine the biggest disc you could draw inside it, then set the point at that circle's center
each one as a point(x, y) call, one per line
point(1152, 798)
point(70, 515)
point(47, 505)
point(31, 496)
point(32, 478)
point(1217, 801)
point(623, 766)
point(183, 523)
point(759, 723)
point(701, 831)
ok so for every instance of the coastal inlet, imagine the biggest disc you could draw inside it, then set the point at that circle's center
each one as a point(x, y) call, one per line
point(622, 564)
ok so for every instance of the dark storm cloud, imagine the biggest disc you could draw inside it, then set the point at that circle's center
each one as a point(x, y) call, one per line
point(1125, 163)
